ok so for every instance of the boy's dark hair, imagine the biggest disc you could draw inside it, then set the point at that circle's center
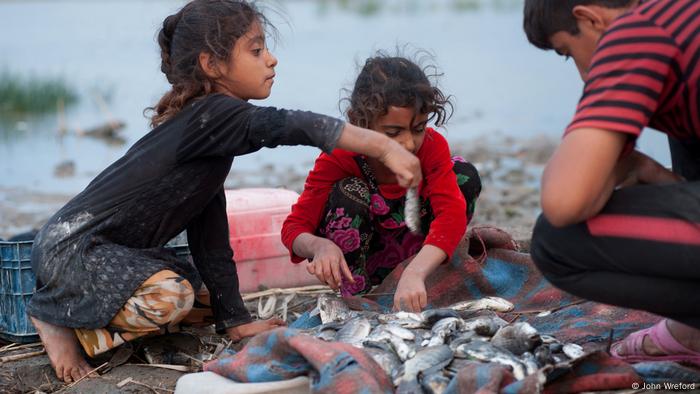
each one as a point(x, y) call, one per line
point(386, 81)
point(210, 26)
point(543, 18)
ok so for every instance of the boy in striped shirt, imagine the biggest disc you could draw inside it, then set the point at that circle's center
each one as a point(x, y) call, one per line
point(617, 227)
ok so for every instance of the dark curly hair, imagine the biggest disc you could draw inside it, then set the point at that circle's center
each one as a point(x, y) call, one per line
point(211, 26)
point(386, 81)
point(543, 18)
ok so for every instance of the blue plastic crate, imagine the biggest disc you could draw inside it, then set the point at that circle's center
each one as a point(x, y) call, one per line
point(17, 283)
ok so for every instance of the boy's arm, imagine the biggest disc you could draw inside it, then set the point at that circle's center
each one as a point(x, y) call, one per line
point(586, 168)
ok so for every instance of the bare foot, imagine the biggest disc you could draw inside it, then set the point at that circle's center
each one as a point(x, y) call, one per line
point(685, 335)
point(62, 348)
point(251, 329)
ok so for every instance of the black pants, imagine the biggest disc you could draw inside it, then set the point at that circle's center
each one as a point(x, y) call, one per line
point(641, 252)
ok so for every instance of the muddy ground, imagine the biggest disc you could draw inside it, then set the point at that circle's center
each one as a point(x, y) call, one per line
point(510, 171)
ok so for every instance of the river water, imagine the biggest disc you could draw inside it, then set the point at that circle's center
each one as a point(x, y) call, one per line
point(107, 49)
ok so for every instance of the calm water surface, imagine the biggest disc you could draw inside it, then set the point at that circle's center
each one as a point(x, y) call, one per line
point(501, 84)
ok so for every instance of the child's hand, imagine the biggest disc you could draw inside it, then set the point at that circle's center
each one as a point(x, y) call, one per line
point(403, 163)
point(328, 264)
point(251, 329)
point(410, 293)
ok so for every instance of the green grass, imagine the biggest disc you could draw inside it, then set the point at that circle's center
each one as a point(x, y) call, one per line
point(25, 96)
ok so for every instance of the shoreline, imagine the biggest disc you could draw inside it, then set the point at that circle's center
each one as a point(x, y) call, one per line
point(509, 168)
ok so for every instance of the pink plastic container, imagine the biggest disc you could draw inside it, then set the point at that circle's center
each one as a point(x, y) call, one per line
point(255, 218)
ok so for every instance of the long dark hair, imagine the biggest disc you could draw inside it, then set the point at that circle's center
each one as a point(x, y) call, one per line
point(386, 81)
point(210, 26)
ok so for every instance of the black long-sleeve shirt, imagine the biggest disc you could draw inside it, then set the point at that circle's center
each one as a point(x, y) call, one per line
point(97, 250)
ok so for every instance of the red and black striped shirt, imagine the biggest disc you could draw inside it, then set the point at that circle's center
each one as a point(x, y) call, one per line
point(645, 73)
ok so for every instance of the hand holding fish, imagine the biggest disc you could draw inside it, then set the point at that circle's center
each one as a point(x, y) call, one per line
point(403, 163)
point(329, 265)
point(410, 295)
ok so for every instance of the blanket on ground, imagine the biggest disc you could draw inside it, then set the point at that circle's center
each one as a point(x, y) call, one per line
point(489, 264)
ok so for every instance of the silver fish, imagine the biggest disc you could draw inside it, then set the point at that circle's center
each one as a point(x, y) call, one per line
point(435, 383)
point(443, 328)
point(400, 332)
point(517, 338)
point(548, 339)
point(327, 335)
point(463, 337)
point(484, 351)
point(495, 304)
point(543, 355)
point(530, 363)
point(430, 357)
point(402, 349)
point(412, 210)
point(378, 334)
point(354, 331)
point(332, 308)
point(484, 325)
point(573, 351)
point(432, 316)
point(386, 359)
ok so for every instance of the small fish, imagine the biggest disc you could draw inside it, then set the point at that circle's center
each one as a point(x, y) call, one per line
point(463, 337)
point(404, 319)
point(412, 210)
point(400, 332)
point(333, 309)
point(432, 316)
point(543, 355)
point(327, 335)
point(495, 304)
point(556, 347)
point(457, 364)
point(530, 363)
point(573, 351)
point(430, 357)
point(517, 338)
point(386, 359)
point(378, 334)
point(547, 339)
point(443, 328)
point(484, 325)
point(435, 383)
point(354, 331)
point(485, 351)
point(402, 349)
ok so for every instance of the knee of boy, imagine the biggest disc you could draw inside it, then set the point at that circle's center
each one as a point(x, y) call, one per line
point(543, 250)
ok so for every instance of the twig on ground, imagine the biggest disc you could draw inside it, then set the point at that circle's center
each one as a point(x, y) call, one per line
point(315, 289)
point(23, 356)
point(180, 368)
point(13, 346)
point(87, 375)
point(552, 310)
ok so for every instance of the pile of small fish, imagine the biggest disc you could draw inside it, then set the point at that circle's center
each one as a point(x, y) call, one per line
point(422, 352)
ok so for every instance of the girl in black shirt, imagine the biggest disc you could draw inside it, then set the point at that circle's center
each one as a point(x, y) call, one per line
point(103, 275)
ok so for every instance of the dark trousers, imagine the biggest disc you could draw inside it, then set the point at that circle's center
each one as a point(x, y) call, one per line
point(641, 252)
